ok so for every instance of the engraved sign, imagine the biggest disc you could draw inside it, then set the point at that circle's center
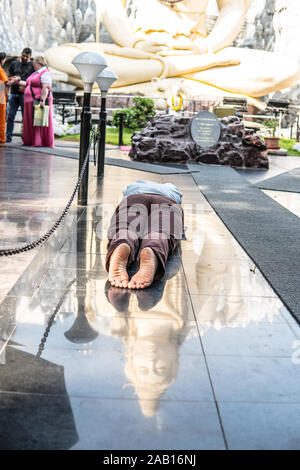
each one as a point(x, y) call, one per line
point(205, 129)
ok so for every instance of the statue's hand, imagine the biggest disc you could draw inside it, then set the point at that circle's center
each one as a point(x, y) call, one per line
point(182, 42)
point(150, 46)
point(155, 42)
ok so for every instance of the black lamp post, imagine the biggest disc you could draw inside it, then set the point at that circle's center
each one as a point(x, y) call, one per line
point(104, 81)
point(89, 65)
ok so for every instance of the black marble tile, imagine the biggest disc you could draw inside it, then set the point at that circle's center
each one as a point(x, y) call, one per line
point(61, 278)
point(29, 226)
point(82, 306)
point(36, 422)
point(176, 425)
point(82, 242)
point(28, 373)
point(35, 272)
point(78, 260)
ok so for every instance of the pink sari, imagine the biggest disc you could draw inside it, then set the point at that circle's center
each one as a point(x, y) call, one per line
point(36, 136)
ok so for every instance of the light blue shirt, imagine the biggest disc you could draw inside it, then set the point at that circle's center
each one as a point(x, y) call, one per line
point(144, 187)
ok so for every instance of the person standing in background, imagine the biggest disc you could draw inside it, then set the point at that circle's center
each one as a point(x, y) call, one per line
point(38, 85)
point(5, 82)
point(21, 68)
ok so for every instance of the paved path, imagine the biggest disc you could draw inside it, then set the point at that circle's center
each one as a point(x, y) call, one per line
point(207, 358)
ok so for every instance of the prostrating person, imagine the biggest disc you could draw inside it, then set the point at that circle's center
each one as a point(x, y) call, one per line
point(146, 227)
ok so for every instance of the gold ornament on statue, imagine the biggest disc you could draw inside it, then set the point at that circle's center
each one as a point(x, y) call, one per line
point(177, 108)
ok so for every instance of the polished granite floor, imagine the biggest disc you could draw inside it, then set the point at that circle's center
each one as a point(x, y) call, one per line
point(207, 358)
point(33, 191)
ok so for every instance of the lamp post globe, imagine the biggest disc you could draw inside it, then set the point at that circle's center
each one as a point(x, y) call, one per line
point(104, 81)
point(89, 65)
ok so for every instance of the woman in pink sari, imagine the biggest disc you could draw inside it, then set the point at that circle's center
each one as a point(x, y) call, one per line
point(40, 83)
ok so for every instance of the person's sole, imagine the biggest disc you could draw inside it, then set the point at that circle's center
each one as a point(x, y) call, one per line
point(148, 262)
point(117, 275)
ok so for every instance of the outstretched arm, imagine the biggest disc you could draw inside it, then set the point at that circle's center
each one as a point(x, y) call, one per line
point(228, 25)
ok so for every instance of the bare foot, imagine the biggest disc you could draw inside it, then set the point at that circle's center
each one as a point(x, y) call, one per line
point(117, 274)
point(145, 275)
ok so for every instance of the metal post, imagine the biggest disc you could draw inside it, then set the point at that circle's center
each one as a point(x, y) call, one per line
point(63, 113)
point(85, 129)
point(102, 129)
point(121, 124)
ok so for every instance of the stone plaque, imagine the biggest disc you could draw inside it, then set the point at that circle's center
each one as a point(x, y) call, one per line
point(205, 129)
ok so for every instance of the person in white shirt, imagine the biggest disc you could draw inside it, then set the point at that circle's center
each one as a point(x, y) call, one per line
point(38, 89)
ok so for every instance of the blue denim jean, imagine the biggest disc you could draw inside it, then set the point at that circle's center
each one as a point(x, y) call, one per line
point(15, 100)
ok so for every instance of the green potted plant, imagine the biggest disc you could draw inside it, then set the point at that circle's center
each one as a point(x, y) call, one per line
point(271, 140)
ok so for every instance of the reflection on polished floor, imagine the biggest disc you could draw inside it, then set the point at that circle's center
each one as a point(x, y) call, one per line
point(203, 359)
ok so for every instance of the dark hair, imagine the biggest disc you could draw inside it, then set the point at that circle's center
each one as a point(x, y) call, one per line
point(27, 51)
point(2, 56)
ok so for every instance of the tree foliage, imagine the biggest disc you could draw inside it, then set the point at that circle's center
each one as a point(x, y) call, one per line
point(136, 116)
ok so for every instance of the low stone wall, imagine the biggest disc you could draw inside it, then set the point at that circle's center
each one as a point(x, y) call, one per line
point(167, 139)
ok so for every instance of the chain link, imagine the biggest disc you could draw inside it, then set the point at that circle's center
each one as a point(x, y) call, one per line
point(46, 236)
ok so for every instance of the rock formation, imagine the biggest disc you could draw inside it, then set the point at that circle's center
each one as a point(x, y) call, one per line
point(167, 139)
point(40, 24)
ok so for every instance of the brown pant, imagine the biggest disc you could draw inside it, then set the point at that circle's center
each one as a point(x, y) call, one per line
point(146, 220)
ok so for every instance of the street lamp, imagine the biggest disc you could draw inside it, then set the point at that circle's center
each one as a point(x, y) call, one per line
point(104, 81)
point(89, 65)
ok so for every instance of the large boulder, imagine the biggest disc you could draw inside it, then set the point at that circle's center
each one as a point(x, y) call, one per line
point(167, 139)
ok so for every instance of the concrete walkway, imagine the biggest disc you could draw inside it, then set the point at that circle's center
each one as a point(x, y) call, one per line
point(207, 358)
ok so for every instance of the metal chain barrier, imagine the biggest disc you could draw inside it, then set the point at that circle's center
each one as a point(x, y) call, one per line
point(44, 238)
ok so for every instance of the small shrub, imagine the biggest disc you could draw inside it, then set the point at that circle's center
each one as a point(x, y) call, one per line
point(271, 126)
point(136, 116)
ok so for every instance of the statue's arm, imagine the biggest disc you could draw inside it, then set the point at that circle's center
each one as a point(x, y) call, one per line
point(113, 16)
point(229, 23)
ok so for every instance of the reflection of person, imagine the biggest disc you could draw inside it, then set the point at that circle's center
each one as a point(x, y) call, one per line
point(169, 38)
point(4, 83)
point(147, 226)
point(21, 68)
point(223, 277)
point(152, 339)
point(152, 360)
point(40, 83)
